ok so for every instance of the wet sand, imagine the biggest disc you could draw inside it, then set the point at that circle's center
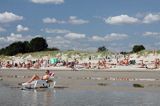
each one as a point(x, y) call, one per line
point(89, 80)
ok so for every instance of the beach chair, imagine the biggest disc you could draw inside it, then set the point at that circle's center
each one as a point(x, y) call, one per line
point(41, 83)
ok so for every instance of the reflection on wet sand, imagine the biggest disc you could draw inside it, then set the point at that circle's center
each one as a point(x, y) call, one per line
point(33, 96)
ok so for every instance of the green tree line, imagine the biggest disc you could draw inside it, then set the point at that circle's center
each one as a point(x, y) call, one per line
point(135, 49)
point(36, 44)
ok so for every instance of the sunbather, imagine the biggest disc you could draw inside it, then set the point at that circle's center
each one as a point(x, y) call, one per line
point(36, 77)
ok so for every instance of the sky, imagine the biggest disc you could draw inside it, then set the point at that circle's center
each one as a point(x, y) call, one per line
point(82, 24)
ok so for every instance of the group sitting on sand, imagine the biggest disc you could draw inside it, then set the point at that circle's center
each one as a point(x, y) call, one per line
point(103, 63)
point(156, 64)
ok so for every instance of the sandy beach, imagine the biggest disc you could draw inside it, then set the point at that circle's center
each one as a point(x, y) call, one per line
point(88, 79)
point(98, 73)
point(79, 52)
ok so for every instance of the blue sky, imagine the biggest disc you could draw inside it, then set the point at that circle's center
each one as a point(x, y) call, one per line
point(82, 24)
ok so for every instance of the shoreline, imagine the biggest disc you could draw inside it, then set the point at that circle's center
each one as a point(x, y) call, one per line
point(88, 80)
point(117, 69)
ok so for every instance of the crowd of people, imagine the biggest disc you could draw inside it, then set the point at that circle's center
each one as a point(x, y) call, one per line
point(103, 63)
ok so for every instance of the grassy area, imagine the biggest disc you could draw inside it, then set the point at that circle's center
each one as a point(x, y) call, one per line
point(68, 54)
point(146, 52)
point(71, 54)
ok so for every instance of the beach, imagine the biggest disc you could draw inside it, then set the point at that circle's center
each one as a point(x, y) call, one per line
point(83, 88)
point(88, 79)
point(79, 53)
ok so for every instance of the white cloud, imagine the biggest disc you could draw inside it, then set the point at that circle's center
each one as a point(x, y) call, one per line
point(2, 29)
point(140, 15)
point(2, 39)
point(75, 36)
point(7, 17)
point(63, 42)
point(52, 21)
point(18, 37)
point(110, 37)
point(72, 20)
point(115, 36)
point(6, 40)
point(58, 42)
point(75, 20)
point(48, 1)
point(2, 42)
point(49, 20)
point(114, 46)
point(122, 19)
point(58, 31)
point(152, 34)
point(97, 38)
point(14, 37)
point(21, 28)
point(151, 18)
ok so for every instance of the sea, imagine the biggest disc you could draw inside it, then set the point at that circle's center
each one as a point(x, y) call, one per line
point(15, 96)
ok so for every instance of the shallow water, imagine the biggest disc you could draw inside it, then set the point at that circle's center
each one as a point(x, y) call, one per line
point(10, 96)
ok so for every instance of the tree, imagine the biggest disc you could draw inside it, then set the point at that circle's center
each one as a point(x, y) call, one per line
point(137, 48)
point(27, 47)
point(14, 48)
point(2, 51)
point(53, 49)
point(123, 53)
point(38, 44)
point(102, 49)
